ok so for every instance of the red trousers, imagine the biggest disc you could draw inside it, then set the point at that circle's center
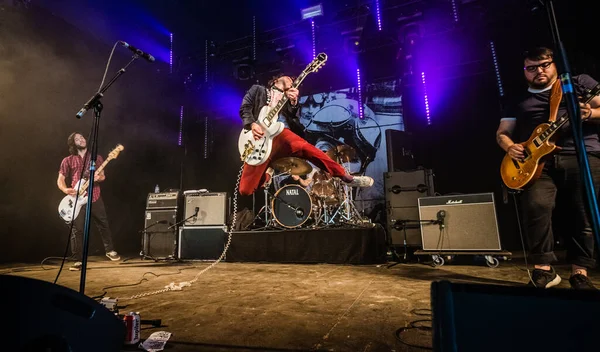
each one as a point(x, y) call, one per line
point(286, 144)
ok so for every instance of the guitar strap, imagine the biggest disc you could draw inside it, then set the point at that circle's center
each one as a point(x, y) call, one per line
point(555, 98)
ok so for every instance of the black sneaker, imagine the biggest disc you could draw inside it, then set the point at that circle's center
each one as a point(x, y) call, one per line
point(544, 279)
point(581, 282)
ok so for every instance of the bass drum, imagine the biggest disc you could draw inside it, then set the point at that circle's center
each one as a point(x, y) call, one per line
point(292, 206)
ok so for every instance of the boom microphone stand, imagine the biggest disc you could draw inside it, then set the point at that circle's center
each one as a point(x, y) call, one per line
point(95, 104)
point(575, 119)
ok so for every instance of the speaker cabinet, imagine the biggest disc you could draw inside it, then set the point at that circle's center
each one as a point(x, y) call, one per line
point(402, 191)
point(212, 209)
point(46, 317)
point(403, 188)
point(469, 223)
point(201, 242)
point(476, 317)
point(399, 150)
point(159, 241)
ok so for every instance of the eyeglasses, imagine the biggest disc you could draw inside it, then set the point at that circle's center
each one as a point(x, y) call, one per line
point(543, 65)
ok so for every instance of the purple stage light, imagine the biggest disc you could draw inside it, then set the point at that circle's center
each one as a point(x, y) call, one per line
point(314, 38)
point(360, 102)
point(455, 10)
point(497, 69)
point(180, 140)
point(427, 114)
point(378, 14)
point(171, 55)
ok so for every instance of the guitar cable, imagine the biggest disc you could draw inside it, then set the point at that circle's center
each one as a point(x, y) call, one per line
point(522, 240)
point(178, 287)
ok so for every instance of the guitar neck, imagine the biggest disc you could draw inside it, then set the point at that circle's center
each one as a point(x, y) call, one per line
point(85, 185)
point(274, 113)
point(556, 125)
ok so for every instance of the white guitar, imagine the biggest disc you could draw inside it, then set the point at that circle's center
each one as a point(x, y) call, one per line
point(67, 209)
point(255, 152)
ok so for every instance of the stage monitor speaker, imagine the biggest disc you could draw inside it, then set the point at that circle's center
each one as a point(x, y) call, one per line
point(40, 316)
point(201, 242)
point(475, 317)
point(159, 241)
point(399, 146)
point(403, 188)
point(469, 222)
point(212, 208)
point(396, 235)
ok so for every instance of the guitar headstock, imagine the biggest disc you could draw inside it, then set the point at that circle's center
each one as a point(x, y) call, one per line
point(316, 64)
point(115, 152)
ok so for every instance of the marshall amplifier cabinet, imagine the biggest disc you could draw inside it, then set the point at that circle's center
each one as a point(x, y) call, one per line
point(462, 222)
point(167, 200)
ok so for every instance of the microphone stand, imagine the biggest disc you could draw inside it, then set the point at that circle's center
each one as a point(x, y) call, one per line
point(182, 221)
point(402, 224)
point(95, 104)
point(575, 120)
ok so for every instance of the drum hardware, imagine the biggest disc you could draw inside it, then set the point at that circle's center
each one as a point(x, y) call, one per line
point(347, 211)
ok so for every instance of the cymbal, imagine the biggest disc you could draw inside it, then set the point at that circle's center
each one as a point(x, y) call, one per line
point(344, 153)
point(293, 165)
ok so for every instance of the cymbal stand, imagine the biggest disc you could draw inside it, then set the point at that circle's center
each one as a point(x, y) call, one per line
point(269, 222)
point(347, 210)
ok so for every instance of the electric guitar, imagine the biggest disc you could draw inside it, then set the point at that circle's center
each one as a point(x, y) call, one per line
point(255, 152)
point(67, 209)
point(518, 174)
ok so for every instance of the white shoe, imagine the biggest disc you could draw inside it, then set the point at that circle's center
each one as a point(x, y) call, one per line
point(112, 255)
point(75, 267)
point(361, 181)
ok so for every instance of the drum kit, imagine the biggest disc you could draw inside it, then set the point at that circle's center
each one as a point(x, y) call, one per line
point(325, 202)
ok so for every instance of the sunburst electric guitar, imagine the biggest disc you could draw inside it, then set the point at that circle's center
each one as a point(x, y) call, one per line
point(519, 174)
point(255, 152)
point(67, 209)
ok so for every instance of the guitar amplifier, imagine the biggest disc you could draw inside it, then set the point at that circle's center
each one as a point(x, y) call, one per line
point(212, 208)
point(469, 222)
point(166, 200)
point(160, 237)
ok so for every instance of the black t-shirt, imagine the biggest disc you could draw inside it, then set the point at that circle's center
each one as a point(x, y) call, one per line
point(534, 109)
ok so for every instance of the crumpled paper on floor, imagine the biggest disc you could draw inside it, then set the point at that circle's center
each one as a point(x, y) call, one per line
point(156, 341)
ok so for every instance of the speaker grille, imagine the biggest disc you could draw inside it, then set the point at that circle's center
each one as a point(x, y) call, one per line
point(158, 240)
point(469, 224)
point(211, 209)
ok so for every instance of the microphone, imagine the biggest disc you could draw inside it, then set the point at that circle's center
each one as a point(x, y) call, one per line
point(441, 214)
point(196, 210)
point(299, 212)
point(138, 51)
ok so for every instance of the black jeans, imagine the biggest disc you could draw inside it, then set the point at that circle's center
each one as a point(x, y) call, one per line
point(101, 221)
point(560, 174)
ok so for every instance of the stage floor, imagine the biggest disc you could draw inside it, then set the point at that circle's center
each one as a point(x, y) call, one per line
point(281, 307)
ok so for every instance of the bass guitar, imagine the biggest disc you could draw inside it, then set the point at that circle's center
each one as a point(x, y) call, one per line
point(519, 174)
point(255, 152)
point(69, 206)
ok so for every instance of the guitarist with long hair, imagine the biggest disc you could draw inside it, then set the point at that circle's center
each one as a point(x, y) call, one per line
point(70, 168)
point(560, 173)
point(287, 143)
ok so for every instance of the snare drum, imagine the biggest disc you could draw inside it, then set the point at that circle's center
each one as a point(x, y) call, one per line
point(291, 206)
